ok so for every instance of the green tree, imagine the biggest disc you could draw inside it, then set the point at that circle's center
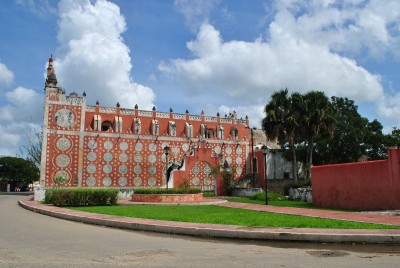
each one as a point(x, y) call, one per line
point(281, 121)
point(347, 144)
point(15, 169)
point(375, 142)
point(318, 121)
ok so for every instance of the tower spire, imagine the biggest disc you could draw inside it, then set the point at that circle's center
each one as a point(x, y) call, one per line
point(51, 79)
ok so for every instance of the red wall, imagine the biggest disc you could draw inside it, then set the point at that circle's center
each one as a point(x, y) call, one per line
point(371, 185)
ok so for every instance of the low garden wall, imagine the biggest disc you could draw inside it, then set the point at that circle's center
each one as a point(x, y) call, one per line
point(167, 198)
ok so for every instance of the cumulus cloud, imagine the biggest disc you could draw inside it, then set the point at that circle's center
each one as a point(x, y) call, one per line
point(6, 76)
point(94, 57)
point(18, 116)
point(308, 46)
point(23, 105)
point(196, 12)
point(345, 26)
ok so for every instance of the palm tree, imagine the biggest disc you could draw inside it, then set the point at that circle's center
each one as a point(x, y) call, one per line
point(282, 121)
point(318, 120)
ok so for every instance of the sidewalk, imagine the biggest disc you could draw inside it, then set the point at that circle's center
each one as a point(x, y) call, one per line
point(239, 232)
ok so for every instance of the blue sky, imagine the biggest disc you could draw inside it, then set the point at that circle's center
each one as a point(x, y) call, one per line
point(211, 55)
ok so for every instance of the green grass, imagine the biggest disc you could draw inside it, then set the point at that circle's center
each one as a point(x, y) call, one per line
point(278, 200)
point(231, 216)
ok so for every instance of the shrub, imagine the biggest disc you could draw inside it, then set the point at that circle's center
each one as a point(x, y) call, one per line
point(271, 196)
point(183, 190)
point(208, 194)
point(78, 197)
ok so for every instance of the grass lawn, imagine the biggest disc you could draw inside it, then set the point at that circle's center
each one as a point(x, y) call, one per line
point(276, 203)
point(231, 216)
point(282, 202)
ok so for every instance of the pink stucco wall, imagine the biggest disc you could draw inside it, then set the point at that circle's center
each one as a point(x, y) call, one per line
point(371, 185)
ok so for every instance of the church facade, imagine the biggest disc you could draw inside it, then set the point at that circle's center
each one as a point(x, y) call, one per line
point(95, 146)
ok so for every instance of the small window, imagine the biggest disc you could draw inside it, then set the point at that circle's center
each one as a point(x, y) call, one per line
point(286, 175)
point(106, 126)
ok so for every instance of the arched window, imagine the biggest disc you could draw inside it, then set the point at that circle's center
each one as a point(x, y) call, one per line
point(210, 133)
point(106, 126)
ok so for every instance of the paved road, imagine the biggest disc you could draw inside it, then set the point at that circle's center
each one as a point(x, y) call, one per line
point(28, 239)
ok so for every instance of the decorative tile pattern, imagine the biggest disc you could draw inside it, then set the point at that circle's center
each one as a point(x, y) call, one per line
point(92, 144)
point(152, 147)
point(138, 158)
point(123, 157)
point(152, 181)
point(152, 170)
point(239, 160)
point(91, 181)
point(123, 169)
point(152, 158)
point(217, 149)
point(63, 175)
point(137, 169)
point(139, 146)
point(108, 157)
point(62, 160)
point(108, 145)
point(122, 181)
point(185, 147)
point(107, 169)
point(228, 150)
point(91, 169)
point(239, 150)
point(123, 146)
point(137, 181)
point(107, 181)
point(91, 156)
point(195, 181)
point(63, 144)
point(195, 170)
point(207, 170)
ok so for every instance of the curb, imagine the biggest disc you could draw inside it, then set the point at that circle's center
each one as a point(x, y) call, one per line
point(217, 230)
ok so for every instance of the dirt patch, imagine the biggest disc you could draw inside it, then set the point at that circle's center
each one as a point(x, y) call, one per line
point(328, 253)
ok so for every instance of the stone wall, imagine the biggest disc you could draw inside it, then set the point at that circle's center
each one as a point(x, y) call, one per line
point(301, 194)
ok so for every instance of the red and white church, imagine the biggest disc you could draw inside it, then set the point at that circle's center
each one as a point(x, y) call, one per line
point(125, 148)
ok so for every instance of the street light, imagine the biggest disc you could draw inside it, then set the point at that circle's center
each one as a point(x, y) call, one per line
point(166, 151)
point(252, 167)
point(264, 150)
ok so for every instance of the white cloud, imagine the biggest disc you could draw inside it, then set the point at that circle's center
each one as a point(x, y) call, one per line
point(308, 47)
point(94, 57)
point(250, 71)
point(23, 105)
point(6, 76)
point(344, 26)
point(22, 112)
point(196, 12)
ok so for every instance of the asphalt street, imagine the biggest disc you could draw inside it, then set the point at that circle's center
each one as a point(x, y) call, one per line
point(29, 239)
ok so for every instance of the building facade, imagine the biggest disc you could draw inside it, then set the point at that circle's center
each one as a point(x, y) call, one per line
point(95, 146)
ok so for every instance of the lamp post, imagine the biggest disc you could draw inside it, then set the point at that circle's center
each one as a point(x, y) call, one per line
point(253, 181)
point(166, 151)
point(264, 150)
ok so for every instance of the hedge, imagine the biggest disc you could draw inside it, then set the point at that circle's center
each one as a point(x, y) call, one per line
point(184, 190)
point(79, 197)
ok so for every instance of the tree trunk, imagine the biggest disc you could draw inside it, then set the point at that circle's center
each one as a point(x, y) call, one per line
point(310, 146)
point(294, 161)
